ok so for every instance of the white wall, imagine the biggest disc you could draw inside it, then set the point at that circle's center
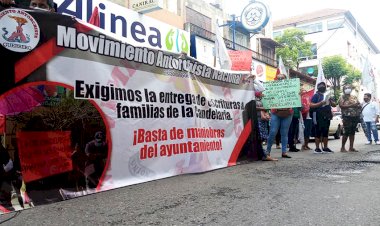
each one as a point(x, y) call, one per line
point(205, 51)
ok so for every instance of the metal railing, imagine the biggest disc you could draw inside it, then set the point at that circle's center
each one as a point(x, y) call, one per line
point(196, 30)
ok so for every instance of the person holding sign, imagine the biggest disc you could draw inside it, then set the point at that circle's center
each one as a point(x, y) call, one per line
point(351, 110)
point(322, 114)
point(279, 118)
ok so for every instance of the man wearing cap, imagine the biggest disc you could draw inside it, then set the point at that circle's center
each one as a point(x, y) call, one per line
point(321, 114)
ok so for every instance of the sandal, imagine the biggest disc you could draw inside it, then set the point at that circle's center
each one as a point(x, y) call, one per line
point(268, 158)
point(353, 150)
point(343, 150)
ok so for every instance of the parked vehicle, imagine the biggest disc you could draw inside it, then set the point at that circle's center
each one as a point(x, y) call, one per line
point(336, 125)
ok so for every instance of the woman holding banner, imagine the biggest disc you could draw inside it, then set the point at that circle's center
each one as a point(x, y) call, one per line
point(279, 118)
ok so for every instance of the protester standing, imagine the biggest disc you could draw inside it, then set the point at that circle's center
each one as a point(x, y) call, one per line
point(263, 118)
point(6, 176)
point(283, 118)
point(322, 114)
point(293, 129)
point(307, 120)
point(351, 110)
point(370, 114)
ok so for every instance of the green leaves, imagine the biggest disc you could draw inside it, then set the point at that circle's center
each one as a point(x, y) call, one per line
point(338, 71)
point(334, 67)
point(294, 47)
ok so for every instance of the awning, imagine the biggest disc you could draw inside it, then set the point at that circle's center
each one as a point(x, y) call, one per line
point(270, 42)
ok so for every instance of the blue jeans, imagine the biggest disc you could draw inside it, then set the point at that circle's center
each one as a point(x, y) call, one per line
point(275, 123)
point(371, 126)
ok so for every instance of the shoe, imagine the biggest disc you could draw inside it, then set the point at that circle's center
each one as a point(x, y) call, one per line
point(268, 158)
point(278, 147)
point(353, 150)
point(377, 142)
point(369, 142)
point(63, 194)
point(318, 151)
point(294, 149)
point(327, 150)
point(286, 156)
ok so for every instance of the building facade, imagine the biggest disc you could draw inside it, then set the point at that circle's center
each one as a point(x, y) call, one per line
point(201, 18)
point(331, 32)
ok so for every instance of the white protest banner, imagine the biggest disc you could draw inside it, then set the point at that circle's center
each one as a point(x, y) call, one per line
point(111, 113)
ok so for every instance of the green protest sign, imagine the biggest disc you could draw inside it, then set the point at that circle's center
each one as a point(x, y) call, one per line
point(282, 94)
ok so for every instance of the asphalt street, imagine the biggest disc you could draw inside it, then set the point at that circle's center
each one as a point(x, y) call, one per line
point(309, 189)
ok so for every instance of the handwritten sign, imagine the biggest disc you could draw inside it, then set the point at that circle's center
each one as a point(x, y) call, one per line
point(44, 154)
point(241, 60)
point(282, 94)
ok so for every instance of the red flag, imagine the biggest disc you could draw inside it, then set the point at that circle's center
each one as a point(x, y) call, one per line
point(94, 20)
point(2, 123)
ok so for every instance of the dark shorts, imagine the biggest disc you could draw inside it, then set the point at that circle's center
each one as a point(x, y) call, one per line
point(322, 127)
point(349, 125)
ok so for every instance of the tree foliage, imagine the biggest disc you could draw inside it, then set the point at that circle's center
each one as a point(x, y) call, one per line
point(353, 76)
point(338, 71)
point(294, 47)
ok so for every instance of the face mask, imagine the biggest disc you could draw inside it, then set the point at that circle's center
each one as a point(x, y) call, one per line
point(347, 91)
point(322, 89)
point(38, 8)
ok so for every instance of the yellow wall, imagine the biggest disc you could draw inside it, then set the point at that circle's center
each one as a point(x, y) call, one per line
point(270, 73)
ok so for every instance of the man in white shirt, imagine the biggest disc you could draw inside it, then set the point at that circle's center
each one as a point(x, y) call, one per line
point(370, 112)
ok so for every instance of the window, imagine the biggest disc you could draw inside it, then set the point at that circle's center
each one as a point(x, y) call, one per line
point(314, 50)
point(312, 28)
point(198, 19)
point(314, 54)
point(277, 34)
point(348, 49)
point(335, 24)
point(240, 38)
